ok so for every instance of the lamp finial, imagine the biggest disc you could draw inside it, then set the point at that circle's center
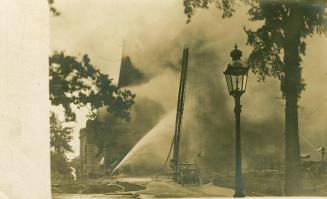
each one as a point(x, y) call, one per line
point(236, 54)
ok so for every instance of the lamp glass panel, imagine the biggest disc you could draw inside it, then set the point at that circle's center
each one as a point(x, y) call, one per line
point(245, 79)
point(234, 81)
point(238, 82)
point(242, 83)
point(229, 82)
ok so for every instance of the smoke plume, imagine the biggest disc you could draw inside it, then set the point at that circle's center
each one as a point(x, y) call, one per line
point(155, 33)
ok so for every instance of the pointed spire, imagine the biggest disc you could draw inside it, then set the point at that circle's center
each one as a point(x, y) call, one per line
point(121, 62)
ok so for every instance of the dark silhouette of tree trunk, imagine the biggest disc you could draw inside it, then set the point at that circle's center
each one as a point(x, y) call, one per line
point(292, 146)
point(291, 89)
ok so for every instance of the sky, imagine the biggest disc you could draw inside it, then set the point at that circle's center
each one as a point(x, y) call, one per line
point(153, 33)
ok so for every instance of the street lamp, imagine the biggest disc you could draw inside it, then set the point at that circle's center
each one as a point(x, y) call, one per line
point(236, 77)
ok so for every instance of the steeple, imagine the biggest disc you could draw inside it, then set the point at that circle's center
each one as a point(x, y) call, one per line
point(121, 62)
point(128, 73)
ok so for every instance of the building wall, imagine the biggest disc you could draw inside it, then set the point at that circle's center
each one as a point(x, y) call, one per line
point(88, 156)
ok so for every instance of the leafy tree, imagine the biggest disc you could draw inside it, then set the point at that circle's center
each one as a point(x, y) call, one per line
point(59, 166)
point(278, 46)
point(59, 142)
point(80, 83)
point(59, 136)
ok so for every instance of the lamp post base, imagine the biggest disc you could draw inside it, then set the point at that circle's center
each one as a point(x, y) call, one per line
point(238, 195)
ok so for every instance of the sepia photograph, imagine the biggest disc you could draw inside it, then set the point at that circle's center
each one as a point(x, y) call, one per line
point(187, 99)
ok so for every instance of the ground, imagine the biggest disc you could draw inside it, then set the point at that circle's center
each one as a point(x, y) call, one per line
point(164, 187)
point(155, 188)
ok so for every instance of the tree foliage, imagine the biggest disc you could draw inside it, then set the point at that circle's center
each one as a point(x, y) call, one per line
point(60, 138)
point(286, 24)
point(80, 83)
point(225, 5)
point(282, 19)
point(59, 166)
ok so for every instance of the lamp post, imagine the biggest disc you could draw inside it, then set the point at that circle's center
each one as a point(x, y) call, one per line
point(236, 77)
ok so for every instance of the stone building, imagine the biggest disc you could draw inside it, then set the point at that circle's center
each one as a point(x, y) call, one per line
point(90, 161)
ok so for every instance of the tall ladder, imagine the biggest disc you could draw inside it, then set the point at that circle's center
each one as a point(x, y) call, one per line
point(179, 115)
